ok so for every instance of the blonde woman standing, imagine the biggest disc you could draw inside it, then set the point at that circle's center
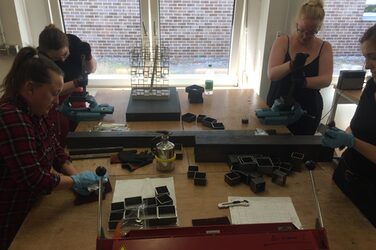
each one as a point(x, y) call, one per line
point(317, 70)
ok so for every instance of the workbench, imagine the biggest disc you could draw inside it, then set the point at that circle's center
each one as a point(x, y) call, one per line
point(226, 105)
point(56, 223)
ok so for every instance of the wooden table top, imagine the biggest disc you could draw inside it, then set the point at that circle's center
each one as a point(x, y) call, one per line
point(56, 223)
point(228, 106)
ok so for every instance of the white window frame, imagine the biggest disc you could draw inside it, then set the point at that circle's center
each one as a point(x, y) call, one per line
point(369, 16)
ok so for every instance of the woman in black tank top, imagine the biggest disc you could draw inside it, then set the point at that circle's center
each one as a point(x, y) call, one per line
point(355, 174)
point(318, 69)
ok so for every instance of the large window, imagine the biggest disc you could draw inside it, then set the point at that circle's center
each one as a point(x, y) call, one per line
point(344, 24)
point(197, 33)
point(370, 11)
point(112, 27)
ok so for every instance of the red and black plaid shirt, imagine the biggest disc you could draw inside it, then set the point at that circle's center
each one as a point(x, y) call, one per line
point(28, 151)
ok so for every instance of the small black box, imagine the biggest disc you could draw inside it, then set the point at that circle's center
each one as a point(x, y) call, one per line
point(161, 190)
point(164, 199)
point(195, 94)
point(207, 121)
point(265, 165)
point(279, 177)
point(191, 171)
point(194, 88)
point(285, 167)
point(296, 160)
point(218, 125)
point(200, 117)
point(232, 178)
point(132, 202)
point(257, 184)
point(232, 160)
point(195, 98)
point(200, 179)
point(149, 202)
point(188, 117)
point(179, 155)
point(117, 206)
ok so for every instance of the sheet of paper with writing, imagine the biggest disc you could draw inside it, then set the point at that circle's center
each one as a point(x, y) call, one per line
point(264, 210)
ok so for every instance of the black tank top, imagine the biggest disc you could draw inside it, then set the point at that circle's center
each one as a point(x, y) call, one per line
point(363, 127)
point(309, 99)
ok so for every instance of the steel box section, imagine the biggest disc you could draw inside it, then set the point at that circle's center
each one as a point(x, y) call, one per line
point(212, 146)
point(216, 148)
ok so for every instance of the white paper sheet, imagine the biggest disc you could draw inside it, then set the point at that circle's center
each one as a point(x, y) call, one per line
point(264, 210)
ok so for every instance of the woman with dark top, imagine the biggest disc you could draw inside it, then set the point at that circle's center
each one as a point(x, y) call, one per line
point(317, 71)
point(355, 174)
point(68, 52)
point(28, 145)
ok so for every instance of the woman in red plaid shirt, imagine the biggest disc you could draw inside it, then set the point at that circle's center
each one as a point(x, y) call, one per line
point(28, 144)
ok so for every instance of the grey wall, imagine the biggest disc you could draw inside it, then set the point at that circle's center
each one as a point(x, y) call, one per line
point(8, 17)
point(281, 17)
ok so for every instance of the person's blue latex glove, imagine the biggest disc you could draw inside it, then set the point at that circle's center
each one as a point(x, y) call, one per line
point(277, 105)
point(335, 138)
point(84, 180)
point(297, 113)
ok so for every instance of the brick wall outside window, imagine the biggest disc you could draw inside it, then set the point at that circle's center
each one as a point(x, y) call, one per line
point(343, 26)
point(112, 27)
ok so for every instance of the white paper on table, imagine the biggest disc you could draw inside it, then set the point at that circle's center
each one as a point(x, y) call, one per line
point(142, 187)
point(264, 210)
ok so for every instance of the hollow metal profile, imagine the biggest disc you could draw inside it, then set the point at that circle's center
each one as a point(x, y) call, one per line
point(211, 146)
point(129, 139)
point(216, 148)
point(134, 139)
point(81, 151)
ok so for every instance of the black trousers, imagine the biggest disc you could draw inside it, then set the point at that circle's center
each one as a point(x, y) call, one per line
point(360, 189)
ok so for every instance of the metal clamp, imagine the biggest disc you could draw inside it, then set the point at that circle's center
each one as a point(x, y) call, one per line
point(243, 203)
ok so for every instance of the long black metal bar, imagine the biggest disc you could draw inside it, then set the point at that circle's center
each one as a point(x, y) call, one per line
point(211, 146)
point(215, 149)
point(128, 139)
point(94, 150)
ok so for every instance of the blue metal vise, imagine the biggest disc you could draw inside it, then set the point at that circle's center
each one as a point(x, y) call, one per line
point(280, 114)
point(92, 112)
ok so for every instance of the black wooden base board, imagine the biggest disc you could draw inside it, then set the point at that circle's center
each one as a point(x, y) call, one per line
point(154, 110)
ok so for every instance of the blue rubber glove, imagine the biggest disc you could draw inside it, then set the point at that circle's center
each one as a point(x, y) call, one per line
point(335, 138)
point(297, 113)
point(277, 105)
point(84, 180)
